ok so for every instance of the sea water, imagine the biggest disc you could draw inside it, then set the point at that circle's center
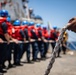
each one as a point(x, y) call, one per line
point(71, 45)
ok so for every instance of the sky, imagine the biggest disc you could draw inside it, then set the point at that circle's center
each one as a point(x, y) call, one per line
point(57, 12)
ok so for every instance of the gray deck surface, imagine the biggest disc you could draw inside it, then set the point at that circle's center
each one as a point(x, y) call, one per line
point(66, 65)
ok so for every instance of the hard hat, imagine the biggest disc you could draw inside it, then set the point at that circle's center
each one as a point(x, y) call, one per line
point(8, 19)
point(17, 23)
point(54, 27)
point(38, 25)
point(31, 23)
point(3, 13)
point(25, 23)
point(44, 27)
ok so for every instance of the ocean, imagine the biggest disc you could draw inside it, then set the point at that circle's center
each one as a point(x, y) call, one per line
point(71, 45)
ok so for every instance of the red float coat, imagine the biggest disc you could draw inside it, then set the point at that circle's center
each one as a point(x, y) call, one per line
point(24, 27)
point(45, 33)
point(16, 33)
point(39, 32)
point(10, 29)
point(58, 33)
point(29, 31)
point(52, 36)
point(1, 21)
point(9, 26)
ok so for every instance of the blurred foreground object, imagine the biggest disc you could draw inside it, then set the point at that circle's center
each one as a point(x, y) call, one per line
point(72, 24)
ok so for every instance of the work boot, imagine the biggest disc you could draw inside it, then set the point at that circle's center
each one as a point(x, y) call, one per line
point(29, 61)
point(1, 70)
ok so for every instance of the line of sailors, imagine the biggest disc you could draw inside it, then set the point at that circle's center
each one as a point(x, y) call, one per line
point(28, 33)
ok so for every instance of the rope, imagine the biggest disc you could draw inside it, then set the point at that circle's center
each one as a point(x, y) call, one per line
point(27, 41)
point(18, 42)
point(55, 51)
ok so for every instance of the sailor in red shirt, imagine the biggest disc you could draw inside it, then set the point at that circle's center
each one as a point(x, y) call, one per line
point(40, 40)
point(46, 36)
point(53, 33)
point(53, 36)
point(11, 45)
point(34, 39)
point(20, 36)
point(24, 27)
point(4, 35)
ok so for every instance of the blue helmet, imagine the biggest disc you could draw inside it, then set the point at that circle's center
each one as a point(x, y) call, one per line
point(54, 27)
point(38, 25)
point(25, 23)
point(17, 23)
point(3, 13)
point(8, 19)
point(0, 12)
point(44, 27)
point(31, 23)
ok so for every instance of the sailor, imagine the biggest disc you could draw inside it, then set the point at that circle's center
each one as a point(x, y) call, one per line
point(10, 46)
point(5, 36)
point(34, 39)
point(53, 36)
point(64, 42)
point(40, 40)
point(24, 27)
point(18, 48)
point(46, 36)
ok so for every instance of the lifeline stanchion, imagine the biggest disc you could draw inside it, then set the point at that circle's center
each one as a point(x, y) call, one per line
point(53, 56)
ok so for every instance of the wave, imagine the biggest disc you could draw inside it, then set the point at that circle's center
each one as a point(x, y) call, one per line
point(71, 45)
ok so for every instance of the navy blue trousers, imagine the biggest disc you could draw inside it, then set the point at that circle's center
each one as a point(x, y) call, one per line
point(35, 50)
